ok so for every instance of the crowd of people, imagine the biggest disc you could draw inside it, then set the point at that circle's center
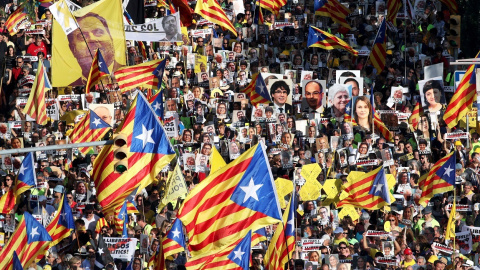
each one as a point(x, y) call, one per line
point(320, 111)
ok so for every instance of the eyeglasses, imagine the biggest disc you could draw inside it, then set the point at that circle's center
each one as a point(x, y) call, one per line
point(342, 247)
point(392, 220)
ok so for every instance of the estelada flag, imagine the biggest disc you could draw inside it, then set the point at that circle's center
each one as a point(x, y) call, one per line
point(149, 151)
point(227, 204)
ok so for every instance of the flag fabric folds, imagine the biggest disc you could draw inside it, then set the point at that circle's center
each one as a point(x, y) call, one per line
point(282, 244)
point(35, 106)
point(333, 9)
point(174, 241)
point(450, 231)
point(7, 202)
point(417, 113)
point(91, 128)
point(462, 101)
point(140, 75)
point(29, 240)
point(175, 187)
point(241, 253)
point(379, 50)
point(98, 70)
point(244, 188)
point(17, 19)
point(149, 151)
point(62, 224)
point(273, 6)
point(184, 9)
point(257, 90)
point(17, 265)
point(392, 9)
point(211, 11)
point(324, 40)
point(440, 178)
point(216, 160)
point(452, 5)
point(64, 16)
point(367, 190)
point(26, 178)
point(380, 126)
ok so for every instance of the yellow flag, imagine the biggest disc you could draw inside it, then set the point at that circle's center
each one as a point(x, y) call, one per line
point(102, 26)
point(332, 187)
point(450, 233)
point(216, 160)
point(176, 187)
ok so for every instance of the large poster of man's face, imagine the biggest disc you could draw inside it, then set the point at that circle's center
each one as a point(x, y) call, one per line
point(314, 95)
point(281, 93)
point(104, 111)
point(356, 83)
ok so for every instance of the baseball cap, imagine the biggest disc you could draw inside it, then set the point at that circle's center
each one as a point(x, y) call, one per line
point(58, 189)
point(338, 230)
point(408, 252)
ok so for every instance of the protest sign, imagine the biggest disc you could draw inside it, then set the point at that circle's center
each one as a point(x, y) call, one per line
point(121, 248)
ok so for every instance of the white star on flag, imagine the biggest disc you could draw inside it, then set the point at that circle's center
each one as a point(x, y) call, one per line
point(378, 188)
point(34, 232)
point(97, 122)
point(448, 170)
point(156, 106)
point(22, 169)
point(238, 254)
point(99, 64)
point(251, 190)
point(176, 233)
point(100, 251)
point(261, 88)
point(146, 136)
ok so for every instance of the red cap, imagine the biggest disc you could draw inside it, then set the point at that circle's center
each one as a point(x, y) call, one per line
point(407, 252)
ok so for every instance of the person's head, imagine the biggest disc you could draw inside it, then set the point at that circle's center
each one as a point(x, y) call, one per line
point(432, 92)
point(16, 143)
point(323, 212)
point(187, 135)
point(221, 108)
point(169, 24)
point(439, 265)
point(314, 94)
point(338, 97)
point(104, 113)
point(332, 261)
point(363, 148)
point(313, 256)
point(279, 92)
point(97, 34)
point(363, 109)
point(355, 86)
point(171, 105)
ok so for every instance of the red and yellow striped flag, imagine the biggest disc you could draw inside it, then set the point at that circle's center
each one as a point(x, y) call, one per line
point(380, 126)
point(440, 178)
point(16, 20)
point(62, 224)
point(7, 202)
point(98, 70)
point(452, 5)
point(378, 55)
point(257, 90)
point(417, 113)
point(324, 40)
point(211, 11)
point(462, 101)
point(392, 10)
point(35, 106)
point(227, 204)
point(148, 151)
point(273, 6)
point(90, 129)
point(140, 76)
point(334, 10)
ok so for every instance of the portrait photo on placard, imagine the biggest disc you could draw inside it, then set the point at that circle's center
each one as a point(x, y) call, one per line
point(339, 96)
point(234, 149)
point(104, 111)
point(432, 94)
point(387, 157)
point(189, 161)
point(281, 95)
point(380, 7)
point(314, 96)
point(356, 83)
point(346, 73)
point(362, 112)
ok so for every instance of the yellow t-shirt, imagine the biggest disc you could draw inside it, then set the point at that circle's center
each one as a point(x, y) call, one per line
point(406, 264)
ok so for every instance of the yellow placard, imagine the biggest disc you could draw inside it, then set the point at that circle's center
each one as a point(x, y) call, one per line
point(310, 191)
point(332, 187)
point(200, 63)
point(350, 211)
point(284, 186)
point(102, 26)
point(311, 171)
